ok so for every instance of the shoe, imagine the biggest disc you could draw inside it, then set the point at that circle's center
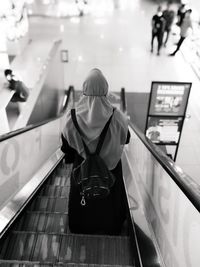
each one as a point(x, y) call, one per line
point(158, 53)
point(172, 54)
point(151, 50)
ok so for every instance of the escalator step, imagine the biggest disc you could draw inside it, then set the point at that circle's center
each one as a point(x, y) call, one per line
point(47, 248)
point(50, 204)
point(21, 248)
point(42, 204)
point(59, 180)
point(61, 205)
point(61, 248)
point(43, 222)
point(95, 249)
point(28, 264)
point(55, 191)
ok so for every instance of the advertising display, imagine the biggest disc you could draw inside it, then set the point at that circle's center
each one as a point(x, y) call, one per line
point(164, 129)
point(166, 113)
point(169, 98)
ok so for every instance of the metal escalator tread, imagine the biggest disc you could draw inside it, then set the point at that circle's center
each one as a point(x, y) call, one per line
point(69, 248)
point(59, 181)
point(46, 222)
point(55, 191)
point(36, 264)
point(51, 204)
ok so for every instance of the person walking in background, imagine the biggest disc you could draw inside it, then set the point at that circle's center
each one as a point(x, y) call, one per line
point(181, 14)
point(168, 15)
point(81, 6)
point(186, 25)
point(158, 26)
point(106, 215)
point(21, 91)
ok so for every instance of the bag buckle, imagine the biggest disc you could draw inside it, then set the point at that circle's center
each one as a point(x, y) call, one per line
point(83, 202)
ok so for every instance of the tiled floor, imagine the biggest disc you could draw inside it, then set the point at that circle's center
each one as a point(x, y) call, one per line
point(118, 42)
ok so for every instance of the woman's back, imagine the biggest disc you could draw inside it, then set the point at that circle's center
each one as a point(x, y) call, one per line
point(92, 112)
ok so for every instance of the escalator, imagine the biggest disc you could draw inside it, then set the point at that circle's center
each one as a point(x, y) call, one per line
point(163, 204)
point(41, 237)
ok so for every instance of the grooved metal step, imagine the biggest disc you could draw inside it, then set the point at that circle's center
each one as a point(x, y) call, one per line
point(36, 264)
point(67, 248)
point(59, 181)
point(46, 222)
point(51, 204)
point(55, 191)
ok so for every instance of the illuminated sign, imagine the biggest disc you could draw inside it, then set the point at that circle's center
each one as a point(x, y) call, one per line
point(166, 113)
point(169, 98)
point(164, 129)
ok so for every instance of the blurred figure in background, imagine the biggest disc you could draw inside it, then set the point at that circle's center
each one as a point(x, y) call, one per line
point(158, 26)
point(186, 25)
point(181, 14)
point(21, 91)
point(168, 15)
point(81, 5)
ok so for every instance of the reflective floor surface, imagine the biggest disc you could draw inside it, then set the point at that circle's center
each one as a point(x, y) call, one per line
point(115, 37)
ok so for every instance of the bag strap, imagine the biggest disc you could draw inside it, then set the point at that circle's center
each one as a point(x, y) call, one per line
point(73, 115)
point(102, 135)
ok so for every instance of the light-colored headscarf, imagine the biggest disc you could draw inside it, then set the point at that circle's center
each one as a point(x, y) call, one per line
point(93, 111)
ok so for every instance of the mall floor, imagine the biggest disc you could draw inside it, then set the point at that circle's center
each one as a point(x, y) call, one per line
point(117, 41)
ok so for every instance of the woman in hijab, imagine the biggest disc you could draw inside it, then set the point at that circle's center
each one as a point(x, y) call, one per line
point(104, 216)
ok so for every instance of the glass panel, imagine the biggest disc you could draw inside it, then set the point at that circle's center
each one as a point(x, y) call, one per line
point(171, 219)
point(22, 156)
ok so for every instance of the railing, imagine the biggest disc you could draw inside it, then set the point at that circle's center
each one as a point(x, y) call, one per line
point(164, 203)
point(70, 94)
point(123, 100)
point(189, 187)
point(27, 156)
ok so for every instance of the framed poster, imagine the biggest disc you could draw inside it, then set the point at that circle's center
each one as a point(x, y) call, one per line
point(169, 98)
point(164, 130)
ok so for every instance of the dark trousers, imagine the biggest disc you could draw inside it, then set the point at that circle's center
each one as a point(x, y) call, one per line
point(159, 37)
point(167, 36)
point(179, 44)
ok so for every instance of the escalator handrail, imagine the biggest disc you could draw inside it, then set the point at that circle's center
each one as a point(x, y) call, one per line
point(188, 186)
point(33, 126)
point(123, 100)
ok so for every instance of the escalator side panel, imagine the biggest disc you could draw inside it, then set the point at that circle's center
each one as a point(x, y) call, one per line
point(163, 215)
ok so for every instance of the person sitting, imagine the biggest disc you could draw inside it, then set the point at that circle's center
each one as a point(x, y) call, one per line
point(21, 91)
point(93, 110)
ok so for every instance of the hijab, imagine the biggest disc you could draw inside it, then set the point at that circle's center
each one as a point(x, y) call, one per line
point(93, 110)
